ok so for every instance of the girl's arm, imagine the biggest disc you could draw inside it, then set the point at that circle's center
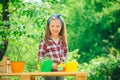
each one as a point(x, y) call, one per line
point(65, 50)
point(41, 51)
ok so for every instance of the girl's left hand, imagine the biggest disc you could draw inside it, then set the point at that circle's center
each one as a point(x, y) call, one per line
point(54, 67)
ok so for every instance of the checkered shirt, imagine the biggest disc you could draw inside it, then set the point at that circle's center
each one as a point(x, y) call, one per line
point(57, 52)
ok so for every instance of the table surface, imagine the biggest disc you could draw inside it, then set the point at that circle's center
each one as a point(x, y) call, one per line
point(44, 74)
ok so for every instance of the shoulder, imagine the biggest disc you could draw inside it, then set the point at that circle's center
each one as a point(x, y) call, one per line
point(62, 42)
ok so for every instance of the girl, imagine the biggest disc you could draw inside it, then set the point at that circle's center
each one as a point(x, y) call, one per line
point(54, 44)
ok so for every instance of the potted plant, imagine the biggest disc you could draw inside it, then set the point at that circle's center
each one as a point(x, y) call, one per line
point(17, 66)
point(16, 57)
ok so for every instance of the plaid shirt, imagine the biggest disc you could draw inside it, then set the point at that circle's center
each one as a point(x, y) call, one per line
point(57, 52)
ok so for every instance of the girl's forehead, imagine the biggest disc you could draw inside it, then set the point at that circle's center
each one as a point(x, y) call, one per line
point(55, 21)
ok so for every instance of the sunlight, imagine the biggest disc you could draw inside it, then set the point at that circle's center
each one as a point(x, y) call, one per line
point(39, 2)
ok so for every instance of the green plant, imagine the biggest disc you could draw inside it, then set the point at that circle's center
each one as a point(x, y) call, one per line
point(17, 50)
point(73, 56)
point(95, 69)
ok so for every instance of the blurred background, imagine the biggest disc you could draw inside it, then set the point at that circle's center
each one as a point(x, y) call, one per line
point(93, 33)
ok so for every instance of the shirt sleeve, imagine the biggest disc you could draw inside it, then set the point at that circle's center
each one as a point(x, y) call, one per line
point(65, 50)
point(41, 51)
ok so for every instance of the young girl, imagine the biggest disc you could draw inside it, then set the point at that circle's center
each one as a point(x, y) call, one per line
point(54, 44)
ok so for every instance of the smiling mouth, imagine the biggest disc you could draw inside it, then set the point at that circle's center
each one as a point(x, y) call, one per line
point(55, 31)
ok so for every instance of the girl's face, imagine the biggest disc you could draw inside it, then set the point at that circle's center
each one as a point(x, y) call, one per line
point(55, 27)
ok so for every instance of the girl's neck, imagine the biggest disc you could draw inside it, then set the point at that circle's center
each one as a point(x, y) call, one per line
point(54, 36)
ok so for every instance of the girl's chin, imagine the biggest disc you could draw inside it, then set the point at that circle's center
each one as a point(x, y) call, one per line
point(55, 34)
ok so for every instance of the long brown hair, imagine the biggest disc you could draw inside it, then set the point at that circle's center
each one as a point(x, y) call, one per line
point(62, 32)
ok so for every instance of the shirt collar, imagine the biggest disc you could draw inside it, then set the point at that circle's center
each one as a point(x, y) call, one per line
point(60, 38)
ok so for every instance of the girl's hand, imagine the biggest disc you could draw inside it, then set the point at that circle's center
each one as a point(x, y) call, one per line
point(54, 66)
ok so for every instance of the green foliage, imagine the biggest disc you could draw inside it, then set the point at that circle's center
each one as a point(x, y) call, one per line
point(115, 73)
point(28, 21)
point(93, 28)
point(109, 65)
point(17, 50)
point(99, 66)
point(73, 56)
point(26, 27)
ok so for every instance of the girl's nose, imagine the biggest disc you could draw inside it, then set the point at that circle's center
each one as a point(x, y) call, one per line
point(55, 28)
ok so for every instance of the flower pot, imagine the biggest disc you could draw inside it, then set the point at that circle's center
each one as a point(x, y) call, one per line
point(17, 67)
point(71, 66)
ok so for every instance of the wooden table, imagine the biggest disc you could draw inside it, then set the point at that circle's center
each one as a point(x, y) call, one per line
point(30, 75)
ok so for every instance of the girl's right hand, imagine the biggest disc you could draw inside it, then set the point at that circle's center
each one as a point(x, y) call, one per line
point(54, 66)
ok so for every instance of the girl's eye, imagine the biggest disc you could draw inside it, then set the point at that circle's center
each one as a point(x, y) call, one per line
point(58, 26)
point(52, 25)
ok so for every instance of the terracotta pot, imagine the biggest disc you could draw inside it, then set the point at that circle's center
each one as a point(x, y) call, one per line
point(17, 67)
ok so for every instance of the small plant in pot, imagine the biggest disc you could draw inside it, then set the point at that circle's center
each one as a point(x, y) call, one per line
point(17, 65)
point(16, 58)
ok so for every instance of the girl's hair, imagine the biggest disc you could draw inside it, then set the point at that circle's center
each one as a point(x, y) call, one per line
point(62, 32)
